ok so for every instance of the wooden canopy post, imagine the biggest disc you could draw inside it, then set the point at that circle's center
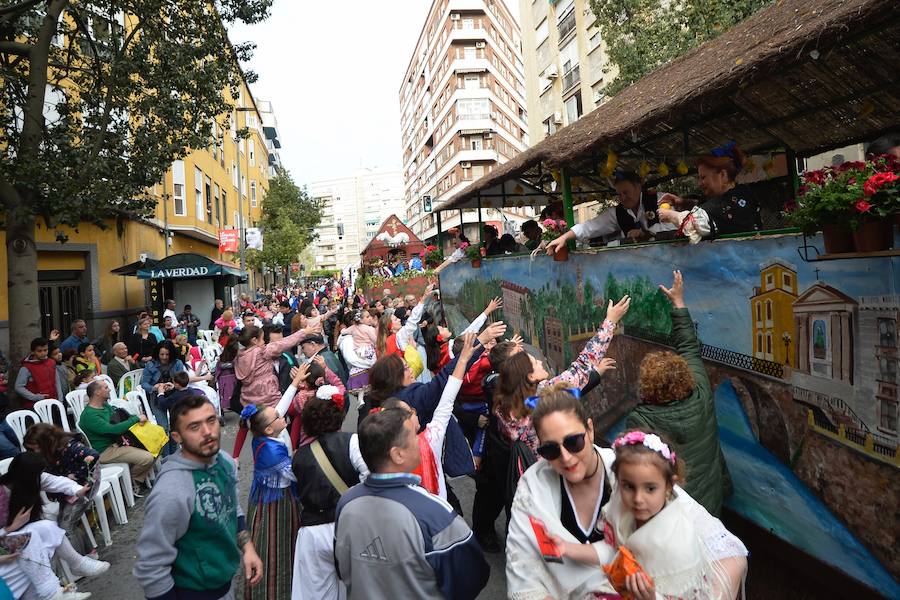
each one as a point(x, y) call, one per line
point(479, 218)
point(793, 173)
point(440, 235)
point(568, 210)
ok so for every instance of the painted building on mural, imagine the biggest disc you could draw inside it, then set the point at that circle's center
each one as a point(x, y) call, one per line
point(218, 187)
point(876, 389)
point(771, 307)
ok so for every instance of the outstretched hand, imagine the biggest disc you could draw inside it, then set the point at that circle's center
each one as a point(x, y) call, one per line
point(554, 245)
point(616, 312)
point(492, 331)
point(493, 305)
point(298, 374)
point(676, 292)
point(603, 365)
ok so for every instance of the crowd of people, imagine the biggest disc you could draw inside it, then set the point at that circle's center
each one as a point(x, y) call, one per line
point(433, 405)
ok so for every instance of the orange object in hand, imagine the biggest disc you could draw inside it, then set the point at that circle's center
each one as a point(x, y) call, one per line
point(620, 568)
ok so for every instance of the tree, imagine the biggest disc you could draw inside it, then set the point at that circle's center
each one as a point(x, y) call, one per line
point(98, 99)
point(643, 35)
point(289, 220)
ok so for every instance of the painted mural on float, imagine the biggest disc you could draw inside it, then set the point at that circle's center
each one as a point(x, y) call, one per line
point(824, 330)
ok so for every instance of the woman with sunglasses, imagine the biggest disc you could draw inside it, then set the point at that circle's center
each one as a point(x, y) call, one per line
point(563, 495)
point(510, 425)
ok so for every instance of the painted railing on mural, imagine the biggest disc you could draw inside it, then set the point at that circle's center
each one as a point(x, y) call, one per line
point(873, 445)
point(714, 353)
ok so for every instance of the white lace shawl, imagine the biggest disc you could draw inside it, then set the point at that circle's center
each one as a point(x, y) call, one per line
point(679, 547)
point(528, 576)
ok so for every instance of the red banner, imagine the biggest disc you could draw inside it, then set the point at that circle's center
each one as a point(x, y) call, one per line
point(228, 240)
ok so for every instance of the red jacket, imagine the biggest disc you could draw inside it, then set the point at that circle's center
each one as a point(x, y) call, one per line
point(471, 386)
point(43, 377)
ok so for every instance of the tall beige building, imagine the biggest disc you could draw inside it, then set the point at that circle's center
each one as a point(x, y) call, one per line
point(353, 209)
point(564, 61)
point(462, 108)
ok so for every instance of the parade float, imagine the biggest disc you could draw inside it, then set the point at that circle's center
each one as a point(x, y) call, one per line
point(395, 243)
point(800, 337)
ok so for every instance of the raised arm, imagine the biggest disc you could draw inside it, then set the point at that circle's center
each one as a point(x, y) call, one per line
point(273, 349)
point(437, 427)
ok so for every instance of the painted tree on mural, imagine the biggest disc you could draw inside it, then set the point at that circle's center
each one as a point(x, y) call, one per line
point(643, 35)
point(98, 99)
point(650, 309)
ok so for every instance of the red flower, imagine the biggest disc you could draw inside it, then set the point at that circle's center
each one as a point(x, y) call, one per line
point(790, 206)
point(862, 206)
point(802, 190)
point(816, 177)
point(850, 166)
point(876, 181)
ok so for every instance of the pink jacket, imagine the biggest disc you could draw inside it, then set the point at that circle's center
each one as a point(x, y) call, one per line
point(254, 368)
point(363, 335)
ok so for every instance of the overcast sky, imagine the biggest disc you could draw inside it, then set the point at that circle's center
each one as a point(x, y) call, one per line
point(332, 71)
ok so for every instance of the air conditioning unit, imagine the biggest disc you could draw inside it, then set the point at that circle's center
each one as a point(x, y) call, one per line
point(552, 72)
point(454, 17)
point(488, 135)
point(557, 117)
point(479, 44)
point(599, 96)
point(465, 165)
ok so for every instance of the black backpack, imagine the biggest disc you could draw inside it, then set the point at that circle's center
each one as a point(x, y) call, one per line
point(234, 403)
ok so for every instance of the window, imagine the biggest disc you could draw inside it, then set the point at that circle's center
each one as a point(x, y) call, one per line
point(768, 310)
point(550, 126)
point(769, 344)
point(887, 333)
point(178, 188)
point(252, 152)
point(209, 202)
point(759, 312)
point(759, 343)
point(468, 23)
point(573, 109)
point(225, 209)
point(770, 281)
point(469, 52)
point(887, 369)
point(888, 420)
point(477, 143)
point(244, 186)
point(218, 205)
point(594, 42)
point(787, 280)
point(541, 33)
point(234, 174)
point(474, 108)
point(253, 194)
point(472, 82)
point(198, 192)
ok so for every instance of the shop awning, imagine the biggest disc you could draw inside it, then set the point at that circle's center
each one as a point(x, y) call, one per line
point(183, 266)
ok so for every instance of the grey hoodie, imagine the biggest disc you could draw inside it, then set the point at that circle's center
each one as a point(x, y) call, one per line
point(168, 514)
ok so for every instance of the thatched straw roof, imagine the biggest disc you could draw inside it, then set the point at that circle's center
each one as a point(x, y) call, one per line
point(809, 75)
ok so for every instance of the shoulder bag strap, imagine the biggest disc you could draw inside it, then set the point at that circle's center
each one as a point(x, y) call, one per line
point(327, 468)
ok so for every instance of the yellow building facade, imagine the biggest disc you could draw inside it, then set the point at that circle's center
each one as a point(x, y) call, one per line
point(219, 187)
point(771, 308)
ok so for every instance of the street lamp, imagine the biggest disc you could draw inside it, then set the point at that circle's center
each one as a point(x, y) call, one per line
point(786, 338)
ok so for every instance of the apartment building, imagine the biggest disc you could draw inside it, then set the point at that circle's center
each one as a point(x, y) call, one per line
point(354, 208)
point(462, 108)
point(218, 187)
point(564, 62)
point(270, 133)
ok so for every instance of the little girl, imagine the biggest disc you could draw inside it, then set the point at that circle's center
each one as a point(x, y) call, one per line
point(685, 552)
point(314, 376)
point(225, 325)
point(357, 345)
point(273, 514)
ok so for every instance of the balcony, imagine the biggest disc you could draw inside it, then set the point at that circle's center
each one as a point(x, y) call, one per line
point(567, 25)
point(572, 78)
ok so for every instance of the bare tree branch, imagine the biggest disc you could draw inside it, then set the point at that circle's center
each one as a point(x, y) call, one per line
point(11, 11)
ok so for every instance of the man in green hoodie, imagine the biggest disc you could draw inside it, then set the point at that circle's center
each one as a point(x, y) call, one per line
point(195, 534)
point(677, 400)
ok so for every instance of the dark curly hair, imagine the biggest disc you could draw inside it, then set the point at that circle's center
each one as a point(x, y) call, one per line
point(321, 416)
point(664, 377)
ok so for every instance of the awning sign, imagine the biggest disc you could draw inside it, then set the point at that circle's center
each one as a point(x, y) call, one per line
point(228, 240)
point(179, 272)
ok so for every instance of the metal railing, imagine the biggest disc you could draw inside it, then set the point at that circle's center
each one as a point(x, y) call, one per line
point(720, 355)
point(572, 78)
point(567, 25)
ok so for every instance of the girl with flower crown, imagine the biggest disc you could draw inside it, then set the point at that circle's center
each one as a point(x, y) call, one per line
point(273, 514)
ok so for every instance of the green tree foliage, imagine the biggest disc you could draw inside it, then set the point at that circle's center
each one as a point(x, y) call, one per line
point(289, 220)
point(98, 99)
point(643, 35)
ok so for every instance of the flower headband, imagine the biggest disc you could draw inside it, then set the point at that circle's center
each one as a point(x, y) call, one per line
point(649, 440)
point(249, 411)
point(727, 150)
point(532, 401)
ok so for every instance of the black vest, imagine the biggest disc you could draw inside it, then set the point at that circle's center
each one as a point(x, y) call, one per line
point(318, 498)
point(626, 221)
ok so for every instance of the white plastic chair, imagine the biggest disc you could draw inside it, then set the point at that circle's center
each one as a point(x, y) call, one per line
point(18, 420)
point(131, 376)
point(77, 400)
point(109, 383)
point(114, 474)
point(46, 408)
point(139, 398)
point(105, 489)
point(4, 465)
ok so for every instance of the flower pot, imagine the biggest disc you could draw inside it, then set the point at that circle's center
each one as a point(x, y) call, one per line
point(838, 238)
point(476, 264)
point(562, 254)
point(873, 236)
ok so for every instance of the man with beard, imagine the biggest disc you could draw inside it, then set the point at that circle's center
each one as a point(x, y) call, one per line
point(195, 533)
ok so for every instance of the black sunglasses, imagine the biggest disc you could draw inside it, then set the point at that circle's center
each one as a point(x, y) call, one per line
point(572, 443)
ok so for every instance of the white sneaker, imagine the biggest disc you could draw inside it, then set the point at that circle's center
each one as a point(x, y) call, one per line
point(64, 594)
point(89, 567)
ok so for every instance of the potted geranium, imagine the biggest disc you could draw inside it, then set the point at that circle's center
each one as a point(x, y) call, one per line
point(432, 256)
point(553, 228)
point(850, 203)
point(473, 253)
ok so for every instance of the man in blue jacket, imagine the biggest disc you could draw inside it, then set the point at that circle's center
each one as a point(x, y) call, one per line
point(392, 538)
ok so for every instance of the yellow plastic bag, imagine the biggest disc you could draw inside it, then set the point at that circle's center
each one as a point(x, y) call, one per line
point(152, 437)
point(414, 360)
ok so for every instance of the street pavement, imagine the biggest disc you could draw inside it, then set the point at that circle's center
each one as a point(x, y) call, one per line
point(119, 584)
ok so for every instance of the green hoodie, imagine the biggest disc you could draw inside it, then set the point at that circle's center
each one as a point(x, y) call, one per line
point(191, 521)
point(691, 423)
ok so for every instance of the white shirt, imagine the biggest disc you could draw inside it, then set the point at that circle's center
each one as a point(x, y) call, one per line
point(170, 313)
point(606, 224)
